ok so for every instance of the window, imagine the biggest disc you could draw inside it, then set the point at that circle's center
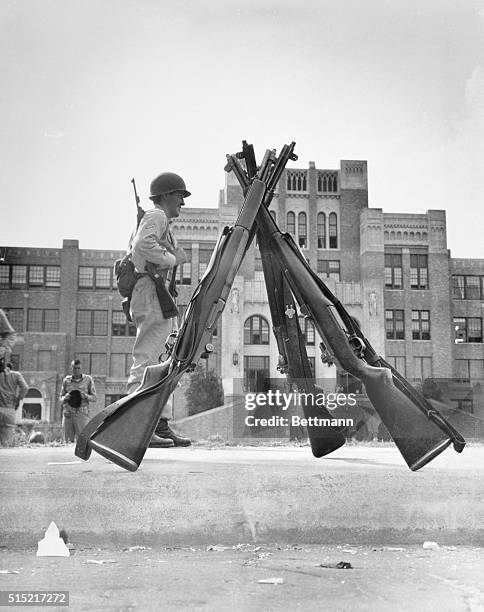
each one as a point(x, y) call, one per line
point(467, 329)
point(291, 223)
point(52, 276)
point(419, 273)
point(473, 287)
point(120, 365)
point(393, 271)
point(256, 330)
point(51, 320)
point(103, 278)
point(23, 276)
point(468, 287)
point(16, 318)
point(120, 326)
point(394, 324)
point(422, 367)
point(458, 287)
point(307, 329)
point(321, 230)
point(36, 276)
point(15, 361)
point(469, 369)
point(333, 231)
point(399, 363)
point(302, 230)
point(19, 276)
point(327, 268)
point(42, 320)
point(205, 254)
point(4, 276)
point(296, 180)
point(421, 324)
point(95, 277)
point(93, 363)
point(86, 278)
point(184, 272)
point(273, 215)
point(92, 322)
point(327, 182)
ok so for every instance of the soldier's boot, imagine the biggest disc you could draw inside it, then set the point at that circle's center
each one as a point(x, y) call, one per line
point(159, 442)
point(164, 431)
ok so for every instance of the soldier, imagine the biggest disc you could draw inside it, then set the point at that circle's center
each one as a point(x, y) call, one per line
point(77, 391)
point(12, 387)
point(155, 244)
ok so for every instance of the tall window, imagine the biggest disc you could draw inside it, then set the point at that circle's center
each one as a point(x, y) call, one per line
point(393, 271)
point(394, 324)
point(421, 324)
point(307, 329)
point(321, 230)
point(302, 230)
point(36, 276)
point(333, 231)
point(291, 223)
point(256, 330)
point(184, 272)
point(93, 363)
point(468, 329)
point(399, 363)
point(19, 277)
point(4, 276)
point(52, 276)
point(43, 320)
point(92, 322)
point(422, 367)
point(419, 272)
point(329, 268)
point(120, 326)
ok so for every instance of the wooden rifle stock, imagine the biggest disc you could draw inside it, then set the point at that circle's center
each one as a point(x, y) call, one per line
point(121, 432)
point(418, 435)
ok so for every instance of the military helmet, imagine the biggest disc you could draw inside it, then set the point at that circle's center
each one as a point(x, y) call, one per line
point(166, 183)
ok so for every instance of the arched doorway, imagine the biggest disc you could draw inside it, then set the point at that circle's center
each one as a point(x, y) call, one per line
point(33, 405)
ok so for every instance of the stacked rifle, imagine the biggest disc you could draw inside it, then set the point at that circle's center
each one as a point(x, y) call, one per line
point(122, 431)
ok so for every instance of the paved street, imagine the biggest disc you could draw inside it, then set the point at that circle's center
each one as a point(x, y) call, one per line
point(197, 528)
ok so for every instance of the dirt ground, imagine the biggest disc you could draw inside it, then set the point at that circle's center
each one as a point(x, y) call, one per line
point(227, 578)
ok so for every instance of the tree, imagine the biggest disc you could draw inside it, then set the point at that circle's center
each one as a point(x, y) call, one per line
point(204, 390)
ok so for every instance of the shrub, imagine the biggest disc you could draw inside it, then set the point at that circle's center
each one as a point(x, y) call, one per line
point(204, 390)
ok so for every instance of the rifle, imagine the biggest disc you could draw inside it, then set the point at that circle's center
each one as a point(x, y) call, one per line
point(121, 432)
point(139, 211)
point(417, 428)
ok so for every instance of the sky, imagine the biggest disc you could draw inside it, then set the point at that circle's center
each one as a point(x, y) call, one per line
point(96, 92)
